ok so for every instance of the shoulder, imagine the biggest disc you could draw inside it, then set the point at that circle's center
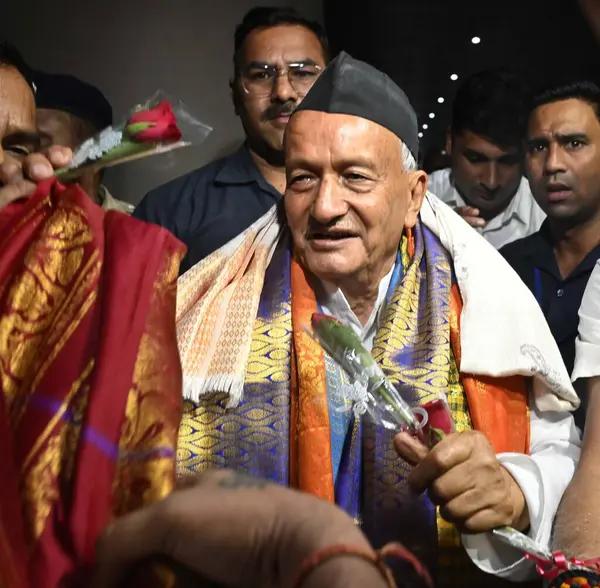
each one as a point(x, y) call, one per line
point(519, 248)
point(172, 204)
point(189, 183)
point(440, 184)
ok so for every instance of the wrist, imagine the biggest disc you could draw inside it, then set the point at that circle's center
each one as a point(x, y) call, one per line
point(310, 531)
point(519, 518)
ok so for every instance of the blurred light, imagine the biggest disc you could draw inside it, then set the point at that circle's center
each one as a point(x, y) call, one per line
point(475, 40)
point(431, 115)
point(454, 77)
point(440, 100)
point(420, 135)
point(425, 126)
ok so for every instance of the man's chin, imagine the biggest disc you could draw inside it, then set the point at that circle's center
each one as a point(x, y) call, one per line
point(330, 271)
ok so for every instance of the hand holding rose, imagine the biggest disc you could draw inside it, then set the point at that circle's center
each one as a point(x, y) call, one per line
point(466, 480)
point(18, 179)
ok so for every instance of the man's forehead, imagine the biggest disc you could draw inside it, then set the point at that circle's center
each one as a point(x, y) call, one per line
point(470, 141)
point(311, 132)
point(281, 44)
point(564, 116)
point(17, 104)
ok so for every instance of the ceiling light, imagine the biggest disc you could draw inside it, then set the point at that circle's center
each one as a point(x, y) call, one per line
point(431, 115)
point(440, 100)
point(425, 126)
point(420, 135)
point(475, 40)
point(454, 77)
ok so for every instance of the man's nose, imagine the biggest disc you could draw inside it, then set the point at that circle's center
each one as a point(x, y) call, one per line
point(329, 203)
point(283, 91)
point(554, 162)
point(490, 179)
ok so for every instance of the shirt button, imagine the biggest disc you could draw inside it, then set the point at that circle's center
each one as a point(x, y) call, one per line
point(560, 292)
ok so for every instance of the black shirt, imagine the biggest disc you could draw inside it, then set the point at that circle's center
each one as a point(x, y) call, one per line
point(534, 260)
point(210, 206)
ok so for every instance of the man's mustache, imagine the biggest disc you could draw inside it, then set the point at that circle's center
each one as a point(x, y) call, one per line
point(279, 109)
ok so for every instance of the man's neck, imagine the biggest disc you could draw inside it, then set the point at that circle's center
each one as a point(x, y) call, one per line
point(271, 169)
point(362, 294)
point(572, 244)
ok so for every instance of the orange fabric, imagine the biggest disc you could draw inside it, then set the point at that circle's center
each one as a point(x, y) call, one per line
point(310, 425)
point(498, 407)
point(90, 381)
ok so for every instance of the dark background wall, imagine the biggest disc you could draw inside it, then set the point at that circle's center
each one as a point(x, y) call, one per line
point(420, 43)
point(129, 49)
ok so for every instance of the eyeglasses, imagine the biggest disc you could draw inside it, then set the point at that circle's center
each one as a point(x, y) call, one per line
point(258, 80)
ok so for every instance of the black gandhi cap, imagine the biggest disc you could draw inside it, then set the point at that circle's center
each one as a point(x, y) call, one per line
point(349, 86)
point(72, 95)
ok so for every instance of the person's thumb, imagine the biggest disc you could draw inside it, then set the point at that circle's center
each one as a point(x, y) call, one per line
point(409, 448)
point(15, 191)
point(124, 543)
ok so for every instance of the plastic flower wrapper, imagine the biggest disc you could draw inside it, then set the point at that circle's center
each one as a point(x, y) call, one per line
point(158, 125)
point(375, 395)
point(373, 392)
point(554, 566)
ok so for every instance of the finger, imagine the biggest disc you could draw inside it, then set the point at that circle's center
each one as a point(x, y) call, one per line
point(37, 167)
point(481, 521)
point(447, 454)
point(125, 542)
point(475, 221)
point(10, 172)
point(15, 191)
point(452, 484)
point(409, 448)
point(58, 156)
point(465, 505)
point(467, 211)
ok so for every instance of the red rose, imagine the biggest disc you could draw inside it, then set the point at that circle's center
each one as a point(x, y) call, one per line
point(439, 421)
point(157, 125)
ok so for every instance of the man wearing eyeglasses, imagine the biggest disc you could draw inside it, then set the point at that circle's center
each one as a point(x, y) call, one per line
point(278, 56)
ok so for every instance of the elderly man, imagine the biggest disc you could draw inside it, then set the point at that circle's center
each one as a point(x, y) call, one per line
point(69, 111)
point(362, 241)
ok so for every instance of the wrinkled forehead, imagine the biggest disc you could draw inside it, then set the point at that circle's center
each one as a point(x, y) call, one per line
point(563, 117)
point(325, 137)
point(281, 45)
point(17, 103)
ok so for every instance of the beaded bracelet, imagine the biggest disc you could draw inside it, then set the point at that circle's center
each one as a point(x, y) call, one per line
point(576, 579)
point(377, 558)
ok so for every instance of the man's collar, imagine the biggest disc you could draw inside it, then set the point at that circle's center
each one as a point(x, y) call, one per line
point(239, 169)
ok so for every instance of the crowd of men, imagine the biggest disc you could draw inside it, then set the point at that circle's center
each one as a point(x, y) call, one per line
point(324, 208)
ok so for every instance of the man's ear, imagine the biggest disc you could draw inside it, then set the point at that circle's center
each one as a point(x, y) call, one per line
point(417, 188)
point(449, 141)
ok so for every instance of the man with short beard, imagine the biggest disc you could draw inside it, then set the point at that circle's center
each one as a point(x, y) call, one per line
point(563, 167)
point(278, 55)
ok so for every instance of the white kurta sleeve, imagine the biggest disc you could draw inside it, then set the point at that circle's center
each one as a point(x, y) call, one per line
point(587, 345)
point(543, 476)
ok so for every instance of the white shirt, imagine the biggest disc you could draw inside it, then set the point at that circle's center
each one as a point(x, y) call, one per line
point(543, 475)
point(521, 218)
point(333, 303)
point(587, 346)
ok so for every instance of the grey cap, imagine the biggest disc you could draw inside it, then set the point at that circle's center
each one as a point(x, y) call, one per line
point(350, 86)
